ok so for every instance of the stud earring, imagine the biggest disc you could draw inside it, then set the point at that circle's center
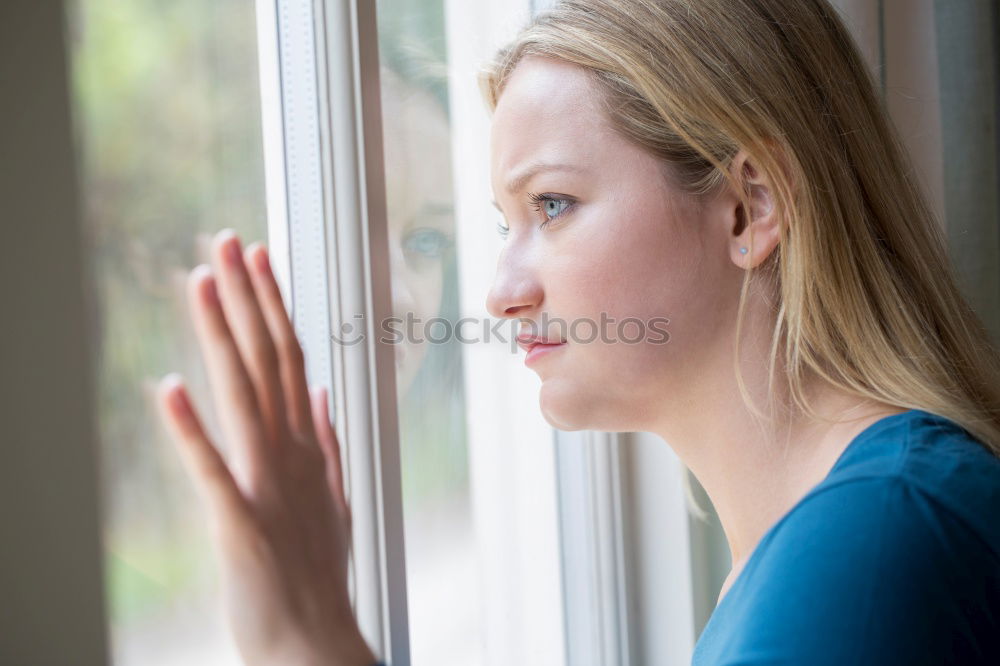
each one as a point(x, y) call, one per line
point(743, 250)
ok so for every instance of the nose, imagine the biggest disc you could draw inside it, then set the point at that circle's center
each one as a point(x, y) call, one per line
point(403, 300)
point(515, 290)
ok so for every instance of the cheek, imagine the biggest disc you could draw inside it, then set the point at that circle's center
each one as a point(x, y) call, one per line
point(665, 299)
point(625, 269)
point(651, 291)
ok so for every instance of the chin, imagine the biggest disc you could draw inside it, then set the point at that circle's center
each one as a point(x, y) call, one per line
point(559, 424)
point(556, 404)
point(567, 408)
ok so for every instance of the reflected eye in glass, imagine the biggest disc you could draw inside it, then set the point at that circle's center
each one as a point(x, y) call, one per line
point(426, 244)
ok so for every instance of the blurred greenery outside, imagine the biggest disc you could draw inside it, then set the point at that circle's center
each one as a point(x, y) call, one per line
point(167, 116)
point(168, 124)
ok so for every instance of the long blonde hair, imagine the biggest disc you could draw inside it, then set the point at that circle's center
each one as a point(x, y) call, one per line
point(867, 300)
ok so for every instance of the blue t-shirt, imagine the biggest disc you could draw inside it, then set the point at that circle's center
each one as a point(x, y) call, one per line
point(894, 558)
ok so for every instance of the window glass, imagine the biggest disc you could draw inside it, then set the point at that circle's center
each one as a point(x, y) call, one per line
point(167, 117)
point(443, 579)
point(166, 104)
point(478, 476)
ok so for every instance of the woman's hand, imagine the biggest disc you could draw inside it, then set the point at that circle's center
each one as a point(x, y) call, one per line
point(280, 521)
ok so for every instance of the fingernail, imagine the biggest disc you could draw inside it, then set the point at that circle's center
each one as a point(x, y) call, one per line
point(202, 285)
point(211, 293)
point(178, 401)
point(170, 380)
point(263, 263)
point(173, 384)
point(233, 252)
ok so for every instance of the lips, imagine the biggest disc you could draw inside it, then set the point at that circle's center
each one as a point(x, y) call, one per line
point(535, 350)
point(528, 342)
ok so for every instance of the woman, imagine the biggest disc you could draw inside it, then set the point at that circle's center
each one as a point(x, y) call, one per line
point(725, 164)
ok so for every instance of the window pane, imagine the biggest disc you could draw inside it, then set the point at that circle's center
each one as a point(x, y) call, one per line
point(482, 560)
point(443, 579)
point(167, 114)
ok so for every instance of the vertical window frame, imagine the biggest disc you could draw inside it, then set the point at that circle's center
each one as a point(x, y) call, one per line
point(333, 262)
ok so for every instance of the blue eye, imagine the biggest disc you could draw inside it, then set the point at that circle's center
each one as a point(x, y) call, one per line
point(551, 205)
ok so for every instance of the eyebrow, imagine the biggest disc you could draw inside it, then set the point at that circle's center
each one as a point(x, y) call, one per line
point(524, 175)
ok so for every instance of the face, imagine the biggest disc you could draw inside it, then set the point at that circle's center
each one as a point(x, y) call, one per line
point(617, 241)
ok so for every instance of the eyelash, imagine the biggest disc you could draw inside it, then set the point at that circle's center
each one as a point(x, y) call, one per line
point(535, 201)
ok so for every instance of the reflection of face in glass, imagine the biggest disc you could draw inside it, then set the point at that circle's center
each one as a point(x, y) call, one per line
point(421, 226)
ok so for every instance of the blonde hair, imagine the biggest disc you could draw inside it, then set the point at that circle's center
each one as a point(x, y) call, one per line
point(866, 296)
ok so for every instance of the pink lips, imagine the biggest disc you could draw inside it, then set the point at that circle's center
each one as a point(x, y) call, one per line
point(537, 347)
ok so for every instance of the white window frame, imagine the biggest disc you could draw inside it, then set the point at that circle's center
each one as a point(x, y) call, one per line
point(326, 224)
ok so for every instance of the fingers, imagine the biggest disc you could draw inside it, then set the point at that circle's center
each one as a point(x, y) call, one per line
point(200, 457)
point(327, 438)
point(235, 398)
point(250, 332)
point(291, 360)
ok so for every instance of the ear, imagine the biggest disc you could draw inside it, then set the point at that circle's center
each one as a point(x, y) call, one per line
point(761, 219)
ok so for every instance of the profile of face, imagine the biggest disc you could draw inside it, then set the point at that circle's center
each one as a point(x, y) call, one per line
point(420, 220)
point(617, 240)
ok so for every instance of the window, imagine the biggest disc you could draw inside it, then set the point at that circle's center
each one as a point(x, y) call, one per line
point(168, 125)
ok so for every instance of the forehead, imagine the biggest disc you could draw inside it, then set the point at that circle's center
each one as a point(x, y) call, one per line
point(549, 112)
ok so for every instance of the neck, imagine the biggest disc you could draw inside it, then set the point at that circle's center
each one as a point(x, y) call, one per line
point(755, 476)
point(755, 471)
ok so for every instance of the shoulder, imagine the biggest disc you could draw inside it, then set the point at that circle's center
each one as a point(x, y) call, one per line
point(885, 520)
point(893, 558)
point(935, 466)
point(870, 569)
point(914, 483)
